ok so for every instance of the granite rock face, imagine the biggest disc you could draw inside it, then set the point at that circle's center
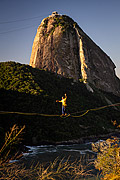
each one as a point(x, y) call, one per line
point(61, 46)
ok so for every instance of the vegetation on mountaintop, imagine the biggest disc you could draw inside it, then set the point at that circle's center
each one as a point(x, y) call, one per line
point(26, 89)
point(64, 21)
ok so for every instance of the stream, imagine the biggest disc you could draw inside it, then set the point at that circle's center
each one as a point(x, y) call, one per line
point(46, 153)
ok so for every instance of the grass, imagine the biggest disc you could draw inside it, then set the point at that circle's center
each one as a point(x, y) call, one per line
point(55, 170)
point(64, 169)
point(12, 139)
point(108, 161)
point(58, 169)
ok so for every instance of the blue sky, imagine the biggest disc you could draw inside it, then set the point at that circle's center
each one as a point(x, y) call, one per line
point(19, 20)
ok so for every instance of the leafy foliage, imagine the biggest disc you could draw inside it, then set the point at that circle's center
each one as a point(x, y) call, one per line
point(108, 160)
point(18, 77)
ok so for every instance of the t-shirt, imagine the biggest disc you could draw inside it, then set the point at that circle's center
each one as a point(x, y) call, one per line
point(63, 101)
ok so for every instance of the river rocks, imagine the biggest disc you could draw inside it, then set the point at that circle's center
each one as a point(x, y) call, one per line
point(101, 146)
point(62, 47)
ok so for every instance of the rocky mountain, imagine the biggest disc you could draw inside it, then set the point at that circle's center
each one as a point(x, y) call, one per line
point(62, 47)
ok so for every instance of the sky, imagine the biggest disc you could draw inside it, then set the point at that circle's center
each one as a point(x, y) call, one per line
point(19, 20)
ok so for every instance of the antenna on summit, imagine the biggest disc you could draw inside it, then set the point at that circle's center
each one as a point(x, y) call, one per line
point(54, 13)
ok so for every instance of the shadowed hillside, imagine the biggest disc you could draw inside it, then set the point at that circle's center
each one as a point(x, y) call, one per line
point(31, 90)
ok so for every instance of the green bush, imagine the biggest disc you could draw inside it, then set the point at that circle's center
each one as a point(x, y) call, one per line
point(19, 78)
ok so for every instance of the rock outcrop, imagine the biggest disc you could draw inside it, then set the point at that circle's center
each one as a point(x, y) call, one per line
point(61, 46)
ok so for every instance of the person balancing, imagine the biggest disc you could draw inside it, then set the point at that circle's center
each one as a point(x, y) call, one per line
point(63, 101)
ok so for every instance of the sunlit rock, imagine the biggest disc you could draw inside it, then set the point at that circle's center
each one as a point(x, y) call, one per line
point(62, 47)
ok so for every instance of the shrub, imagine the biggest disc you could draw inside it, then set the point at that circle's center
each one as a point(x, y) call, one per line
point(108, 161)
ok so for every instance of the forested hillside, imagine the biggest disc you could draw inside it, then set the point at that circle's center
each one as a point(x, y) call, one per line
point(30, 90)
